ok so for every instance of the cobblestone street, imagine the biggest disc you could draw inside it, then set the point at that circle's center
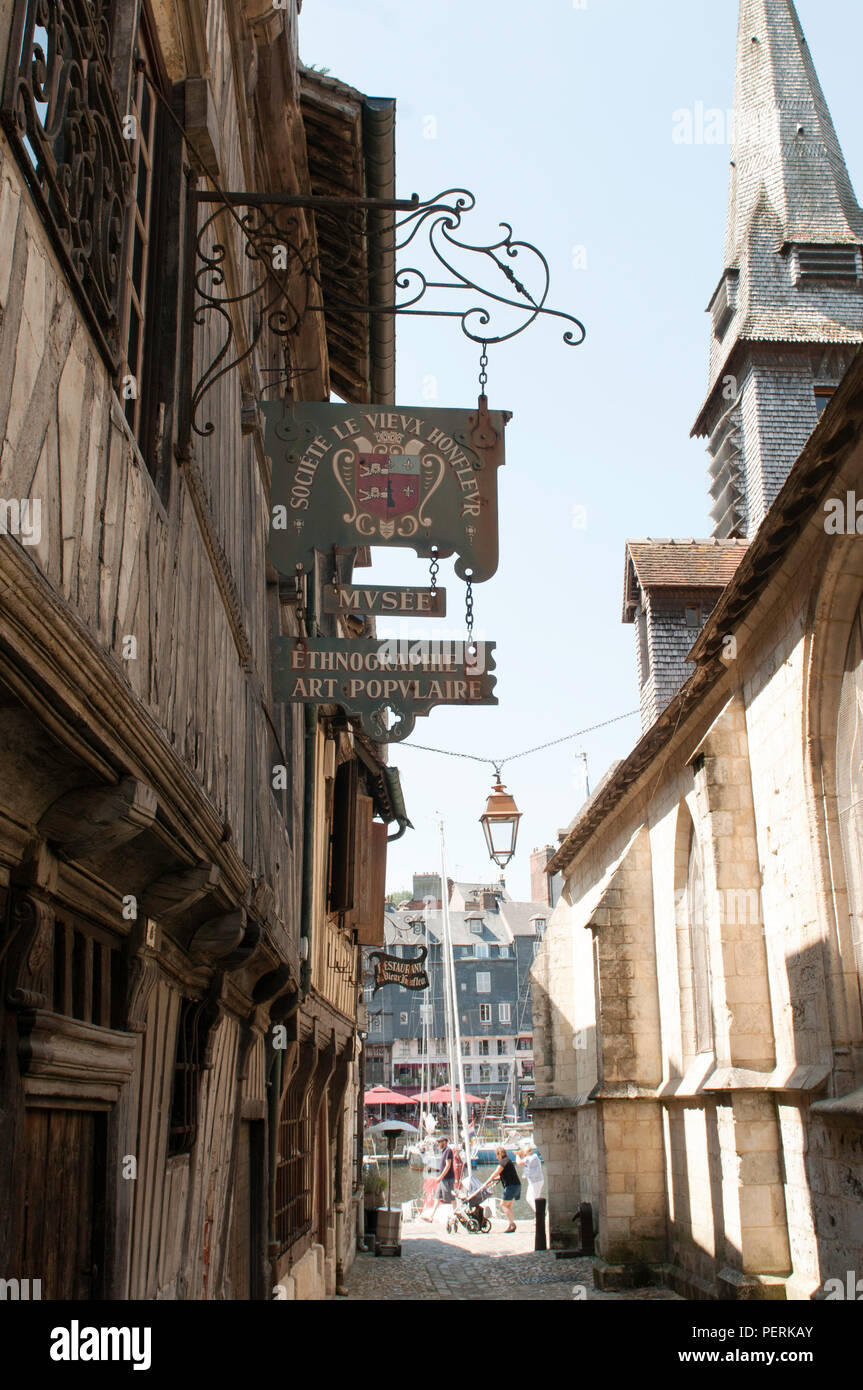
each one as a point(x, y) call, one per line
point(490, 1268)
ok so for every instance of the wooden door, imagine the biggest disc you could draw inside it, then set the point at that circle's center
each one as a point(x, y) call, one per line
point(241, 1224)
point(63, 1194)
point(323, 1175)
point(246, 1222)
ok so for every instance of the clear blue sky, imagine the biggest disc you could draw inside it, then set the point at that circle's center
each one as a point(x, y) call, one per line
point(559, 117)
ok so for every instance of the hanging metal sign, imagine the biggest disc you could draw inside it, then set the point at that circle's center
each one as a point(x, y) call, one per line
point(386, 684)
point(384, 476)
point(393, 970)
point(371, 600)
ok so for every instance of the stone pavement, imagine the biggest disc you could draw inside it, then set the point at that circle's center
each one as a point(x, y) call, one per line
point(490, 1268)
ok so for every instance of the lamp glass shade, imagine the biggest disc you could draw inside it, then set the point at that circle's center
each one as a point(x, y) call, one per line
point(500, 825)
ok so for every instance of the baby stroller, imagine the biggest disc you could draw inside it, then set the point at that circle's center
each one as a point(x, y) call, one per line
point(468, 1210)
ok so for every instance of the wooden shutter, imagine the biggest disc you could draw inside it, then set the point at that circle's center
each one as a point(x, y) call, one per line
point(343, 838)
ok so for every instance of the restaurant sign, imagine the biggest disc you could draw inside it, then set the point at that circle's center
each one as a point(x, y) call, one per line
point(371, 600)
point(394, 970)
point(349, 476)
point(385, 684)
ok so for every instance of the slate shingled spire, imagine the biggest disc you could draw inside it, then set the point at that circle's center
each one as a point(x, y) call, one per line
point(788, 311)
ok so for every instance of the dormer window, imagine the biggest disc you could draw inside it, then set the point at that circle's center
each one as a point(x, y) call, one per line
point(826, 262)
point(475, 925)
point(723, 305)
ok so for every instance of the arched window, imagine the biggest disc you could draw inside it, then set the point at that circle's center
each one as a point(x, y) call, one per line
point(698, 939)
point(849, 778)
point(693, 961)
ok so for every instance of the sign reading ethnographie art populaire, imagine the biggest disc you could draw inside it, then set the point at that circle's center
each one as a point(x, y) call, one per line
point(387, 684)
point(394, 970)
point(378, 475)
point(370, 600)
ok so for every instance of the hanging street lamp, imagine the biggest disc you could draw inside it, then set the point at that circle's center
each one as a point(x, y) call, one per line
point(500, 823)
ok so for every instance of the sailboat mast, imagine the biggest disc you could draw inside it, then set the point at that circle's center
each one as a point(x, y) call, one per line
point(449, 965)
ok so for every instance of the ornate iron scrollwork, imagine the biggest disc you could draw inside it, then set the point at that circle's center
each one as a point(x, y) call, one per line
point(62, 117)
point(285, 279)
point(441, 220)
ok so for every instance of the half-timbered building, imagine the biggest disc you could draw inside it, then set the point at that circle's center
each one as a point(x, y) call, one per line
point(187, 869)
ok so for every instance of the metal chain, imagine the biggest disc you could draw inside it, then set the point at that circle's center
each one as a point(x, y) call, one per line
point(498, 763)
point(301, 611)
point(483, 374)
point(468, 614)
point(433, 568)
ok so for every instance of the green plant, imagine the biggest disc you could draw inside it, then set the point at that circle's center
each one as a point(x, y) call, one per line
point(374, 1185)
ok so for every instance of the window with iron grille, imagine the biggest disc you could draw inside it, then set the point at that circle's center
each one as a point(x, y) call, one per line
point(293, 1213)
point(61, 113)
point(94, 172)
point(188, 1065)
point(485, 1072)
point(142, 111)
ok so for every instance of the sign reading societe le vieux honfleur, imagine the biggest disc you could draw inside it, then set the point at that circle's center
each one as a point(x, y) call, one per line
point(393, 970)
point(381, 680)
point(377, 475)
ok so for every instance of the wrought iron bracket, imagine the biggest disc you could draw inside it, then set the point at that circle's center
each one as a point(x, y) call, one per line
point(282, 278)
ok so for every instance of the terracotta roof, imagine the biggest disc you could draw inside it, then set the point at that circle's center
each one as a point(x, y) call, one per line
point(672, 564)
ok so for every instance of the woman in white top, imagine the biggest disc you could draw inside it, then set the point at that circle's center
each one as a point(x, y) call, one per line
point(528, 1159)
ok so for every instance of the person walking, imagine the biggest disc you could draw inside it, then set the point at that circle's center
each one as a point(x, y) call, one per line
point(529, 1161)
point(445, 1184)
point(506, 1173)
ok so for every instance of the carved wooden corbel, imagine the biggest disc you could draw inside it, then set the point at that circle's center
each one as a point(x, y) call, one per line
point(31, 955)
point(220, 936)
point(265, 21)
point(271, 984)
point(263, 901)
point(247, 948)
point(174, 894)
point(91, 820)
point(144, 972)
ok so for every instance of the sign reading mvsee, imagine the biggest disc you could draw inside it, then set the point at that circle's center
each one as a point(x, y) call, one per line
point(371, 601)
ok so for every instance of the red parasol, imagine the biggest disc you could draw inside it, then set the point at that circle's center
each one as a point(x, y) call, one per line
point(443, 1094)
point(382, 1095)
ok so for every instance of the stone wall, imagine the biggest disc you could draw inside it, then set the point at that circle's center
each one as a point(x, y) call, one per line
point(760, 1147)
